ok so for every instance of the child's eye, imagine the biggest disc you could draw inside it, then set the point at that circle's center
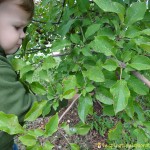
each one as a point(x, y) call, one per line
point(17, 28)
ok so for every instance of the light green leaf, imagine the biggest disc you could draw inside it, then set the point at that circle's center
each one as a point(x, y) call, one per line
point(95, 74)
point(140, 63)
point(116, 132)
point(49, 63)
point(36, 132)
point(69, 83)
point(92, 29)
point(35, 111)
point(84, 107)
point(130, 108)
point(75, 38)
point(28, 140)
point(52, 125)
point(135, 13)
point(110, 6)
point(18, 64)
point(47, 146)
point(66, 27)
point(69, 94)
point(9, 123)
point(104, 99)
point(138, 86)
point(74, 146)
point(38, 88)
point(121, 95)
point(103, 45)
point(110, 65)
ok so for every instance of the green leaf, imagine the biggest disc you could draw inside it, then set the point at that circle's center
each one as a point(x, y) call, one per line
point(66, 27)
point(35, 111)
point(82, 129)
point(48, 146)
point(138, 86)
point(18, 64)
point(108, 110)
point(28, 140)
point(130, 108)
point(52, 125)
point(116, 132)
point(9, 123)
point(38, 88)
point(110, 65)
point(49, 63)
point(95, 74)
point(75, 38)
point(135, 13)
point(36, 132)
point(60, 44)
point(84, 107)
point(69, 94)
point(103, 45)
point(69, 83)
point(83, 5)
point(92, 29)
point(74, 146)
point(121, 95)
point(104, 99)
point(110, 6)
point(140, 63)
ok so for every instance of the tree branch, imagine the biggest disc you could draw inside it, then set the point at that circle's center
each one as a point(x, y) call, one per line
point(70, 106)
point(142, 78)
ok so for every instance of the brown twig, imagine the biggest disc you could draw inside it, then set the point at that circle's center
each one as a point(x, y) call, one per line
point(70, 106)
point(141, 77)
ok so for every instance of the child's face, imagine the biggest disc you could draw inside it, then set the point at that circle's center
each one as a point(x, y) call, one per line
point(12, 22)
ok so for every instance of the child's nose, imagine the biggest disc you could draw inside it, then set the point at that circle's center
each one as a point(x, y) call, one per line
point(23, 35)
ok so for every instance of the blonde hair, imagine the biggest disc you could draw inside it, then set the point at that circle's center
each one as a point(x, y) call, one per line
point(26, 5)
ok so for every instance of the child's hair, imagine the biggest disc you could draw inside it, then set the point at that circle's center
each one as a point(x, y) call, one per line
point(26, 5)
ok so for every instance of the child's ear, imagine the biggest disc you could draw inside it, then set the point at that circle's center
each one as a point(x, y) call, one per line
point(25, 29)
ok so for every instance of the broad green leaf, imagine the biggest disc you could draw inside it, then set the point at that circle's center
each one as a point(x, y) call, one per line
point(82, 129)
point(142, 139)
point(18, 64)
point(9, 123)
point(92, 29)
point(36, 132)
point(69, 94)
point(69, 82)
point(74, 146)
point(60, 44)
point(146, 32)
point(66, 27)
point(95, 74)
point(75, 38)
point(135, 13)
point(121, 95)
point(138, 86)
point(48, 146)
point(103, 45)
point(83, 5)
point(52, 125)
point(49, 63)
point(139, 111)
point(38, 88)
point(110, 65)
point(104, 99)
point(143, 42)
point(110, 6)
point(84, 107)
point(35, 111)
point(140, 62)
point(28, 140)
point(116, 132)
point(26, 69)
point(108, 110)
point(130, 108)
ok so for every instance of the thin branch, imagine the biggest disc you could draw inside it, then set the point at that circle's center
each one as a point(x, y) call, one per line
point(70, 106)
point(141, 77)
